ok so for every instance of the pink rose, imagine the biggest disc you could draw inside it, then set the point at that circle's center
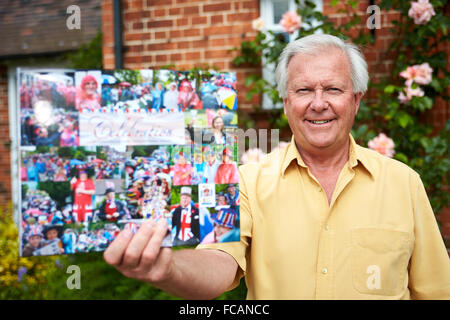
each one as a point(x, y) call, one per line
point(291, 21)
point(423, 73)
point(421, 11)
point(383, 144)
point(420, 73)
point(410, 92)
point(258, 24)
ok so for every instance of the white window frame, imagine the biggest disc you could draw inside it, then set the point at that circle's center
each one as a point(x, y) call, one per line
point(267, 14)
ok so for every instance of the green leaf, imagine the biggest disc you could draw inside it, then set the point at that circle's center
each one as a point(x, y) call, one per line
point(401, 157)
point(403, 119)
point(435, 84)
point(389, 89)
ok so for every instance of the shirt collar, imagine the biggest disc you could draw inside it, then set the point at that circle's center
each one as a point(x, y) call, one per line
point(356, 156)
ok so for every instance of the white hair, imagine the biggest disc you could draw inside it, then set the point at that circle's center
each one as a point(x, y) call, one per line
point(315, 43)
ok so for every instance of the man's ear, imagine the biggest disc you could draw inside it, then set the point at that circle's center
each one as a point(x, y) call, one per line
point(284, 105)
point(358, 97)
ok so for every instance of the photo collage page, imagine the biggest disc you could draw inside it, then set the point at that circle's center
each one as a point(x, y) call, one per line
point(104, 150)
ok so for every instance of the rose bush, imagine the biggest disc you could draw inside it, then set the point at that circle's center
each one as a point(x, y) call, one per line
point(395, 112)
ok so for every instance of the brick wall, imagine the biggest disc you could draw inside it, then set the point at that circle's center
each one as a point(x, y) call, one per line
point(5, 164)
point(182, 33)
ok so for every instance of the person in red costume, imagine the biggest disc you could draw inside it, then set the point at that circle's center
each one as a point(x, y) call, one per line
point(187, 97)
point(87, 95)
point(182, 171)
point(227, 171)
point(83, 189)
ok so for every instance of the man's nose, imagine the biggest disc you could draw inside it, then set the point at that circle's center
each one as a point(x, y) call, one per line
point(319, 103)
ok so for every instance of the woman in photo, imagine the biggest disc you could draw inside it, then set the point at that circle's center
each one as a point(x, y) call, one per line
point(87, 95)
point(68, 137)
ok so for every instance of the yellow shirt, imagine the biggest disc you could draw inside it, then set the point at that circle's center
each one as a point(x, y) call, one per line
point(377, 239)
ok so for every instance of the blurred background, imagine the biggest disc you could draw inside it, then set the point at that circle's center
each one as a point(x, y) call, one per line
point(405, 114)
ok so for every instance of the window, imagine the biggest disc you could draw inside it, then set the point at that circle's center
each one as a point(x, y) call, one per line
point(272, 12)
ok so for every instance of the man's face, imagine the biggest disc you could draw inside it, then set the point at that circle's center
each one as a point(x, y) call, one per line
point(232, 190)
point(110, 195)
point(83, 176)
point(320, 104)
point(185, 200)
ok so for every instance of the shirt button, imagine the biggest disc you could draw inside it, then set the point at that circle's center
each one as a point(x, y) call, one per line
point(319, 189)
point(324, 270)
point(326, 227)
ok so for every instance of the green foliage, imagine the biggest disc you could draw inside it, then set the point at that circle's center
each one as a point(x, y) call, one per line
point(89, 56)
point(131, 76)
point(403, 122)
point(32, 283)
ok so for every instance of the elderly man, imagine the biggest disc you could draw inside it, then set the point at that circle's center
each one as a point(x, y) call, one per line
point(322, 218)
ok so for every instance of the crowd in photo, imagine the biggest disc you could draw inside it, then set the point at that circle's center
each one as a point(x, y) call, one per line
point(58, 89)
point(76, 199)
point(54, 239)
point(49, 166)
point(149, 191)
point(60, 129)
point(208, 166)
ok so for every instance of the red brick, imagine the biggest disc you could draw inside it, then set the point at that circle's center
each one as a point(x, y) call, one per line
point(199, 20)
point(217, 19)
point(159, 12)
point(176, 57)
point(217, 7)
point(182, 22)
point(138, 25)
point(191, 32)
point(159, 24)
point(160, 35)
point(234, 17)
point(161, 58)
point(211, 54)
point(183, 44)
point(155, 3)
point(135, 48)
point(252, 4)
point(174, 11)
point(193, 55)
point(132, 59)
point(191, 10)
point(216, 30)
point(175, 34)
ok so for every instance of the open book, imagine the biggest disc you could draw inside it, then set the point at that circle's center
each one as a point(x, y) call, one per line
point(101, 151)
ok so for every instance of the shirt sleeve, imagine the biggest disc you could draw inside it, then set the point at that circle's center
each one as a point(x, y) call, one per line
point(238, 250)
point(429, 270)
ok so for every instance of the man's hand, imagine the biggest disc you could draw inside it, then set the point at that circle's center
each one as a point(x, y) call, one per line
point(141, 256)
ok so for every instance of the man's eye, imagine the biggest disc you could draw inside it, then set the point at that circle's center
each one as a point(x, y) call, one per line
point(301, 90)
point(334, 89)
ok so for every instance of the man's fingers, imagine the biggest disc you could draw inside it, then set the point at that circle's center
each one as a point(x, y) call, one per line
point(137, 245)
point(113, 255)
point(161, 268)
point(153, 247)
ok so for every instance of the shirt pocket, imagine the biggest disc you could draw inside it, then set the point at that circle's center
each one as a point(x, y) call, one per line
point(379, 259)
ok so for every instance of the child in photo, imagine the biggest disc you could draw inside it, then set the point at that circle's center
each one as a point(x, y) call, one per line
point(35, 241)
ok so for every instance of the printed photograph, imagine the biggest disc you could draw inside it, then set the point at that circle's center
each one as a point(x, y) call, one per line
point(106, 150)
